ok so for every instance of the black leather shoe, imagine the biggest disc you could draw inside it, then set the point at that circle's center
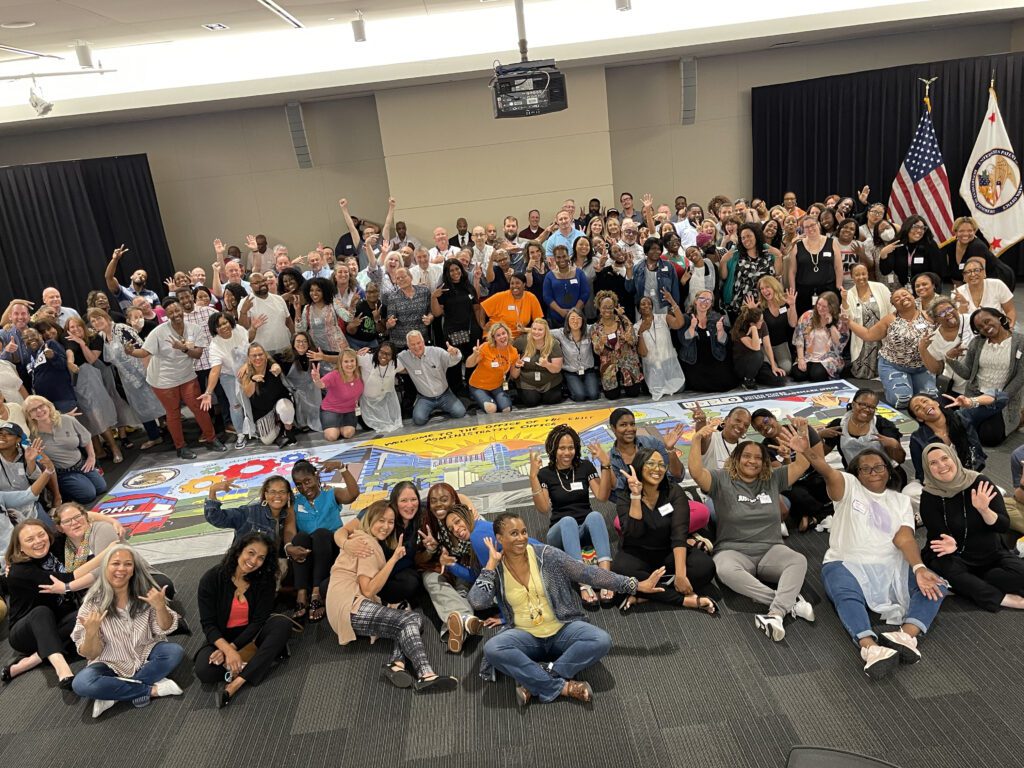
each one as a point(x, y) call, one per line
point(216, 446)
point(186, 453)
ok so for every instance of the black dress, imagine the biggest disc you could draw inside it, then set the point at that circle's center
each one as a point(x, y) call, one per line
point(983, 568)
point(815, 273)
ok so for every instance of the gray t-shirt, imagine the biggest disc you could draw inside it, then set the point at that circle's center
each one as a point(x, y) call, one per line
point(748, 513)
point(64, 445)
point(170, 367)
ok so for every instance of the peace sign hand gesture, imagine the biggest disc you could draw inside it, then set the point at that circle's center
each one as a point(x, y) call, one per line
point(399, 552)
point(635, 486)
point(119, 252)
point(427, 539)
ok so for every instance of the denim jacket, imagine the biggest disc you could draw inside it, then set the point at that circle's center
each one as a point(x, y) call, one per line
point(688, 347)
point(244, 520)
point(666, 280)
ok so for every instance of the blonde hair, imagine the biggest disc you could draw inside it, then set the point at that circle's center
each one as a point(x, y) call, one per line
point(778, 294)
point(5, 319)
point(495, 326)
point(349, 353)
point(549, 340)
point(965, 220)
point(34, 401)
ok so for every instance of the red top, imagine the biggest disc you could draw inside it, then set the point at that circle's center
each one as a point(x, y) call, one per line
point(239, 616)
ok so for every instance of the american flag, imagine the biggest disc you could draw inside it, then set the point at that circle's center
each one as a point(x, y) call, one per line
point(921, 187)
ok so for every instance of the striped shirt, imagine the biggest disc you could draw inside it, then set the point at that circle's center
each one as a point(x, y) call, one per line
point(127, 641)
point(200, 318)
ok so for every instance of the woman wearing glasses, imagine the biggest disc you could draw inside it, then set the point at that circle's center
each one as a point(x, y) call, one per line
point(704, 347)
point(981, 291)
point(951, 330)
point(912, 252)
point(863, 428)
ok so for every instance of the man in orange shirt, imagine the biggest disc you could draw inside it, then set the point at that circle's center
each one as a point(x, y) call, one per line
point(517, 308)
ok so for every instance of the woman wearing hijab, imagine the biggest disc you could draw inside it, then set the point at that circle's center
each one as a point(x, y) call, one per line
point(966, 519)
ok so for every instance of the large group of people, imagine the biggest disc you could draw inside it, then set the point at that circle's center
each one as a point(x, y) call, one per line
point(605, 303)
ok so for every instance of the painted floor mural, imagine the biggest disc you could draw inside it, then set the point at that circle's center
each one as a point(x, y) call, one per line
point(487, 462)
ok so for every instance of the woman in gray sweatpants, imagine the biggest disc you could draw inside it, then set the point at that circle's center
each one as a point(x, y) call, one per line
point(749, 544)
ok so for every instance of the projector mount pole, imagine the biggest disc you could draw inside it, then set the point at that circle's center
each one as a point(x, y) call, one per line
point(521, 25)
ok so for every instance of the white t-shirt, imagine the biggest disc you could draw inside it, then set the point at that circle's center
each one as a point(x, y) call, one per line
point(718, 451)
point(993, 295)
point(939, 347)
point(169, 367)
point(229, 354)
point(273, 335)
point(865, 523)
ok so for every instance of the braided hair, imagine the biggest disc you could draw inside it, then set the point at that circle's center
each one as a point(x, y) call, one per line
point(555, 437)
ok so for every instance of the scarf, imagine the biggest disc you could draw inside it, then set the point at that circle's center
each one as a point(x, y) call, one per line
point(945, 489)
point(849, 445)
point(76, 557)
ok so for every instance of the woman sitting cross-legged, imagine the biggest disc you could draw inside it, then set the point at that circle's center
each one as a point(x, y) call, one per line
point(548, 641)
point(873, 561)
point(655, 528)
point(342, 388)
point(752, 354)
point(966, 521)
point(819, 339)
point(236, 598)
point(41, 617)
point(562, 491)
point(312, 547)
point(493, 363)
point(69, 446)
point(749, 546)
point(122, 630)
point(353, 608)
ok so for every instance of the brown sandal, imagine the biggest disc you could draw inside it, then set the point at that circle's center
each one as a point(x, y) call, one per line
point(579, 690)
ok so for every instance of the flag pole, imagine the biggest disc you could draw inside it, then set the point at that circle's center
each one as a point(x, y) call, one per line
point(927, 89)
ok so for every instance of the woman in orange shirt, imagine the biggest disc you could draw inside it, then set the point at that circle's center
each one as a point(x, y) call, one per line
point(493, 363)
point(517, 308)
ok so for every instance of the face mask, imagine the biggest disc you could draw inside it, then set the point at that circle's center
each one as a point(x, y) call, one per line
point(138, 323)
point(887, 235)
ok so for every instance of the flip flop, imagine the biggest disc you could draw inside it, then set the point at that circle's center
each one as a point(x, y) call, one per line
point(588, 596)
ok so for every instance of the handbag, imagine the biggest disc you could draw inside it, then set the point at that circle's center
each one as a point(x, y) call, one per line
point(458, 338)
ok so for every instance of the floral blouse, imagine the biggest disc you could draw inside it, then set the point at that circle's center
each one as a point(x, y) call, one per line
point(818, 345)
point(617, 354)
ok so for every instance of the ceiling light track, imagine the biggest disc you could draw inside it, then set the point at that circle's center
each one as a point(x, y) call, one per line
point(273, 7)
point(25, 52)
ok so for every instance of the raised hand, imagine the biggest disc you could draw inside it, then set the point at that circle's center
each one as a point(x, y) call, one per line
point(453, 351)
point(33, 450)
point(257, 321)
point(392, 322)
point(748, 301)
point(647, 199)
point(981, 497)
point(673, 436)
point(94, 621)
point(169, 282)
point(791, 296)
point(720, 326)
point(427, 539)
point(399, 552)
point(944, 545)
point(250, 243)
point(275, 369)
point(534, 463)
point(314, 370)
point(635, 486)
point(438, 291)
point(119, 252)
point(493, 555)
point(863, 194)
point(445, 559)
point(599, 453)
point(156, 597)
point(343, 203)
point(219, 248)
point(222, 485)
point(959, 400)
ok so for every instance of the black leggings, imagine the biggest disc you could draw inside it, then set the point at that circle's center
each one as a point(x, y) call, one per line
point(270, 642)
point(986, 584)
point(755, 366)
point(633, 390)
point(315, 570)
point(41, 631)
point(814, 372)
point(401, 585)
point(639, 563)
point(992, 431)
point(803, 503)
point(528, 398)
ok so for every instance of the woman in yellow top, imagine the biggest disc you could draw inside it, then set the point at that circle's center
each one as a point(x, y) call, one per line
point(493, 363)
point(353, 607)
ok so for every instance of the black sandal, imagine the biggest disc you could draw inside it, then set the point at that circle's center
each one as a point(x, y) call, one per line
point(398, 676)
point(5, 673)
point(710, 608)
point(300, 612)
point(316, 610)
point(439, 684)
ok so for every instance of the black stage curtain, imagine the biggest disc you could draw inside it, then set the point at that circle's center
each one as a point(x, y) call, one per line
point(59, 223)
point(836, 134)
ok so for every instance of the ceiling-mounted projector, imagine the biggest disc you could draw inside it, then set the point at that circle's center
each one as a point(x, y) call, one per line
point(528, 88)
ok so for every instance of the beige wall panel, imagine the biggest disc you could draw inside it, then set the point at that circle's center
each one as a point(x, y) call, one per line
point(342, 131)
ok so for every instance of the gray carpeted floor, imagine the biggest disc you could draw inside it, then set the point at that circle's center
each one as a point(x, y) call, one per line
point(679, 688)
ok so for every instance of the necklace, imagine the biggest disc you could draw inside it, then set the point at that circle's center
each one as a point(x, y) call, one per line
point(945, 522)
point(568, 478)
point(534, 603)
point(815, 257)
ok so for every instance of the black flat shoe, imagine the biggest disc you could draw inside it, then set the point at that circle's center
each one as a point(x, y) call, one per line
point(438, 684)
point(221, 697)
point(400, 678)
point(5, 673)
point(65, 683)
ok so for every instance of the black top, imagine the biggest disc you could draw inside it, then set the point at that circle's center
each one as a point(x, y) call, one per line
point(609, 280)
point(217, 591)
point(779, 331)
point(95, 344)
point(662, 529)
point(458, 303)
point(367, 331)
point(267, 393)
point(909, 262)
point(499, 283)
point(977, 247)
point(882, 425)
point(569, 490)
point(24, 581)
point(825, 274)
point(977, 542)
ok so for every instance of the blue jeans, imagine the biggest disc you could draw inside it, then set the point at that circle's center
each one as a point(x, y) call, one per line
point(585, 387)
point(1016, 462)
point(902, 383)
point(234, 403)
point(447, 402)
point(98, 681)
point(498, 397)
point(846, 595)
point(79, 486)
point(569, 536)
point(990, 435)
point(518, 654)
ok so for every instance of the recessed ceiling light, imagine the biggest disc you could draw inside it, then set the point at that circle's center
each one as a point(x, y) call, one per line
point(215, 27)
point(18, 24)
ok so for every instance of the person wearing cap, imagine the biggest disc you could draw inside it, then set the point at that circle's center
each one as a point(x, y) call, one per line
point(12, 502)
point(19, 470)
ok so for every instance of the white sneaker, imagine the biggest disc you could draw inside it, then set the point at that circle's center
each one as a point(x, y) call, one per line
point(167, 687)
point(903, 644)
point(99, 706)
point(802, 609)
point(240, 442)
point(771, 626)
point(785, 531)
point(879, 661)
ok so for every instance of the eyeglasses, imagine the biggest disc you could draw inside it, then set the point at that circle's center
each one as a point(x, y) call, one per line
point(865, 406)
point(874, 469)
point(704, 299)
point(918, 227)
point(79, 518)
point(654, 464)
point(946, 312)
point(973, 271)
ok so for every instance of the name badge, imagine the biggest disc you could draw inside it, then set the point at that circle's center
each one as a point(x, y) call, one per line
point(921, 325)
point(574, 281)
point(418, 373)
point(579, 371)
point(536, 376)
point(358, 412)
point(783, 308)
point(919, 259)
point(827, 254)
point(511, 307)
point(494, 363)
point(525, 359)
point(961, 266)
point(764, 498)
point(577, 486)
point(504, 386)
point(611, 336)
point(1017, 356)
point(665, 509)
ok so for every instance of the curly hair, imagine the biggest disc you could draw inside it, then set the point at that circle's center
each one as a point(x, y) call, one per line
point(732, 463)
point(555, 437)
